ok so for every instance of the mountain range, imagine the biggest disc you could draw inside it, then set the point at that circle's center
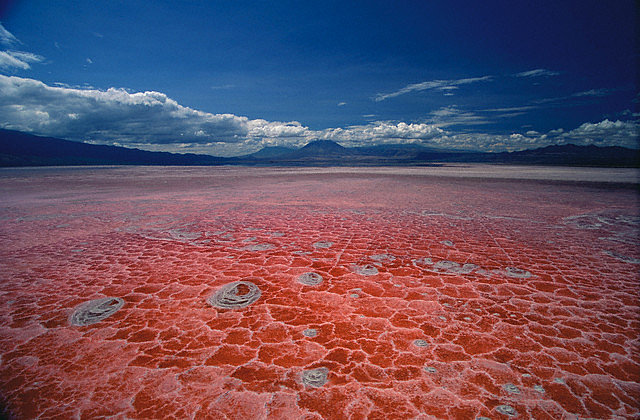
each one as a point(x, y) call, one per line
point(23, 149)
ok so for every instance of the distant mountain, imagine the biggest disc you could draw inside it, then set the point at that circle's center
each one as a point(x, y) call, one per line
point(271, 152)
point(320, 149)
point(22, 149)
point(330, 153)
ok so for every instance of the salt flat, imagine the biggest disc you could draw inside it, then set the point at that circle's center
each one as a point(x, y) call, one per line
point(463, 291)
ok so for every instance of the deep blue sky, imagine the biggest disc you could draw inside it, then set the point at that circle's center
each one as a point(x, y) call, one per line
point(458, 74)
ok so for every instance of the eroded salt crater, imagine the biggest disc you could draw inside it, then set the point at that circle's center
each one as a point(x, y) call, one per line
point(238, 294)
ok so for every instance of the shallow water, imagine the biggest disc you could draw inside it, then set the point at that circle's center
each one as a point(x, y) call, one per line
point(489, 291)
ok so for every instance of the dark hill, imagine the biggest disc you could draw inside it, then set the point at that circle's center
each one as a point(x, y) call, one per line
point(271, 152)
point(572, 155)
point(22, 149)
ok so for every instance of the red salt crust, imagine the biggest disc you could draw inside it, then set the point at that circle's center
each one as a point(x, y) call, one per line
point(165, 239)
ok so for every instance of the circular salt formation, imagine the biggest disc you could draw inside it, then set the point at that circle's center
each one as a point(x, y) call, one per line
point(95, 311)
point(511, 388)
point(310, 332)
point(235, 295)
point(365, 270)
point(310, 279)
point(315, 377)
point(420, 343)
point(507, 410)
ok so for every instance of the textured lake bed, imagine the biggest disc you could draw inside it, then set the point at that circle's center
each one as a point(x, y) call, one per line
point(453, 292)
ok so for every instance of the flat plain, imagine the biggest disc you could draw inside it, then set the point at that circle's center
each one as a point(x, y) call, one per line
point(436, 292)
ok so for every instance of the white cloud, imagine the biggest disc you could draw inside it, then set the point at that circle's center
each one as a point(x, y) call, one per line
point(605, 133)
point(511, 109)
point(7, 61)
point(592, 92)
point(117, 115)
point(380, 132)
point(222, 87)
point(487, 142)
point(12, 59)
point(537, 73)
point(452, 115)
point(441, 85)
point(342, 103)
point(7, 37)
point(18, 59)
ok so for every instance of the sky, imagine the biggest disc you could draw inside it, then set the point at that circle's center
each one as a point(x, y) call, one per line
point(230, 77)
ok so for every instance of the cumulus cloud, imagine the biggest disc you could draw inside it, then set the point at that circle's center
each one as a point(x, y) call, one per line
point(441, 85)
point(117, 115)
point(537, 73)
point(605, 133)
point(381, 132)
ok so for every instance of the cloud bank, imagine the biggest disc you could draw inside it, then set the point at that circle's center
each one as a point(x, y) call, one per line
point(117, 115)
point(152, 121)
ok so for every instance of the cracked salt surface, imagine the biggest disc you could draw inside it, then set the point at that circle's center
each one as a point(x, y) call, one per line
point(563, 336)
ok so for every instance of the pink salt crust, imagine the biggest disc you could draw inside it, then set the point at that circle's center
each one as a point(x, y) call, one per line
point(538, 317)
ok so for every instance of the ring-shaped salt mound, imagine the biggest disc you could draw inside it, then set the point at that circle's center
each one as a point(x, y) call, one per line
point(365, 270)
point(229, 296)
point(420, 343)
point(96, 310)
point(310, 332)
point(310, 279)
